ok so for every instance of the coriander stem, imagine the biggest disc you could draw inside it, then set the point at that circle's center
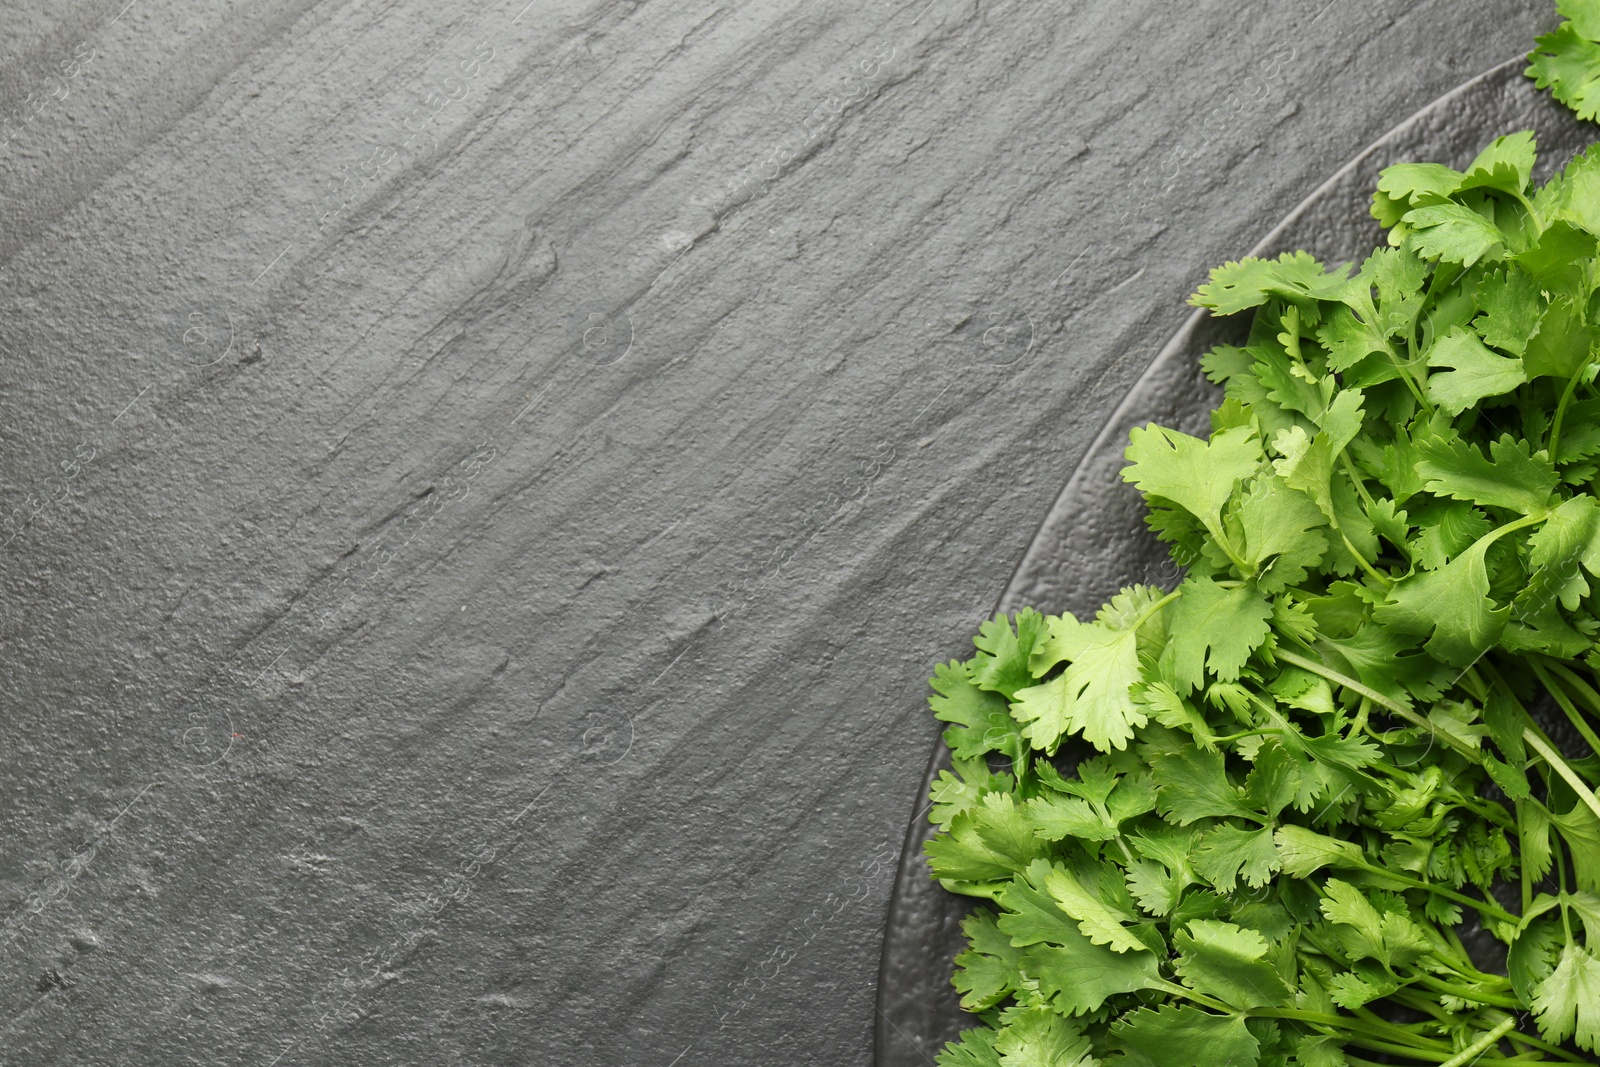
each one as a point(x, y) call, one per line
point(1462, 967)
point(1245, 734)
point(1421, 1002)
point(1482, 906)
point(1337, 957)
point(1404, 367)
point(1378, 1029)
point(1511, 527)
point(1360, 722)
point(1561, 410)
point(1526, 875)
point(1527, 205)
point(1356, 479)
point(1127, 853)
point(1535, 739)
point(1345, 680)
point(1559, 765)
point(1439, 985)
point(1585, 691)
point(1379, 1045)
point(1189, 994)
point(1455, 939)
point(1237, 560)
point(1561, 880)
point(1565, 701)
point(1144, 615)
point(1367, 1015)
point(1378, 698)
point(1520, 1038)
point(1482, 1045)
point(1439, 271)
point(971, 889)
point(1382, 579)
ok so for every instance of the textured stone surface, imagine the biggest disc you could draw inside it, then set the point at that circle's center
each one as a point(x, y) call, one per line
point(1094, 540)
point(482, 488)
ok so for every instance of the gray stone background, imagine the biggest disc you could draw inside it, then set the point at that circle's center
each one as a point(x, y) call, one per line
point(484, 486)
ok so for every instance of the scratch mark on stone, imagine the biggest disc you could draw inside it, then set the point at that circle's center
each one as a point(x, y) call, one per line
point(1129, 280)
point(529, 405)
point(267, 668)
point(932, 402)
point(531, 803)
point(132, 402)
point(1074, 263)
point(658, 678)
point(274, 263)
point(131, 803)
point(282, 1054)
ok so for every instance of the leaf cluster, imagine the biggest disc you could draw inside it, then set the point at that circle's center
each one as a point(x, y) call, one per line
point(1256, 819)
point(1567, 60)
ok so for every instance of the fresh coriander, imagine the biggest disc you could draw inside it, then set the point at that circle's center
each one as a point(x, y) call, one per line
point(1301, 778)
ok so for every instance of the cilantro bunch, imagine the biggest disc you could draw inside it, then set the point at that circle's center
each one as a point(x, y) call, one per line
point(1567, 60)
point(1296, 810)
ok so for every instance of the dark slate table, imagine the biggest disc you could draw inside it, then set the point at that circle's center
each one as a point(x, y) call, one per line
point(483, 485)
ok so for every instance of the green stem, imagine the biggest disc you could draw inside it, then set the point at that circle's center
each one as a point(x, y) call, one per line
point(1379, 1045)
point(1470, 973)
point(1356, 480)
point(1440, 271)
point(1565, 701)
point(1228, 550)
point(971, 889)
point(1455, 940)
point(1367, 1015)
point(1422, 1002)
point(1360, 722)
point(1482, 1045)
point(1488, 811)
point(1188, 994)
point(1527, 205)
point(1153, 608)
point(1248, 733)
point(1535, 739)
point(1379, 1029)
point(1413, 1052)
point(1561, 410)
point(1583, 689)
point(1379, 699)
point(1559, 765)
point(1520, 1038)
point(1404, 367)
point(1477, 995)
point(1561, 880)
point(1525, 871)
point(1500, 531)
point(1305, 935)
point(1482, 906)
point(1383, 580)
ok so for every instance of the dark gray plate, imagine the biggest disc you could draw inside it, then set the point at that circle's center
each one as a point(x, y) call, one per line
point(1094, 541)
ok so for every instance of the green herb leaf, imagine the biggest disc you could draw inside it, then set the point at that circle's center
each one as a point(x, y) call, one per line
point(1185, 1036)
